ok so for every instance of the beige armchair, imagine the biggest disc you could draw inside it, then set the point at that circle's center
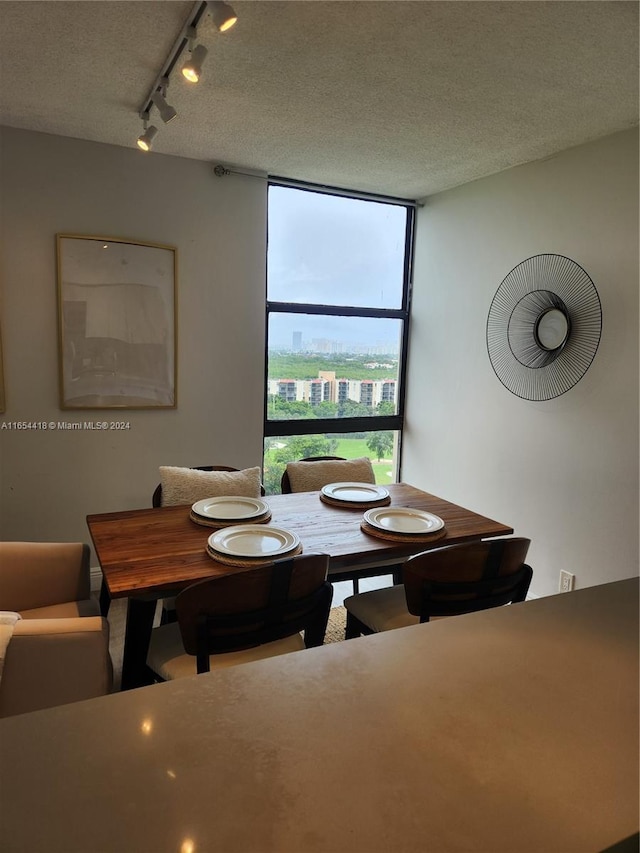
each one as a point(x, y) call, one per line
point(58, 651)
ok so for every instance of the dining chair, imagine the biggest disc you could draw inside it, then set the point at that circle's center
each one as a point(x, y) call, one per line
point(247, 616)
point(285, 482)
point(448, 581)
point(297, 477)
point(157, 500)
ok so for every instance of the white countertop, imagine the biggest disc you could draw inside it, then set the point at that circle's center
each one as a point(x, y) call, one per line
point(510, 730)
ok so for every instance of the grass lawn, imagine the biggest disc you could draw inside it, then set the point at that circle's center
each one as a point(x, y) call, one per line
point(354, 448)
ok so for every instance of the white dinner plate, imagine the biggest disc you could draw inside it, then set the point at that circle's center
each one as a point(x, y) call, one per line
point(230, 507)
point(251, 540)
point(399, 519)
point(355, 492)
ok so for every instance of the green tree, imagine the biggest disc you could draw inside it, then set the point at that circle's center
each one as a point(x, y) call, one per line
point(326, 410)
point(300, 446)
point(280, 410)
point(332, 445)
point(352, 366)
point(386, 408)
point(271, 476)
point(351, 409)
point(296, 447)
point(380, 443)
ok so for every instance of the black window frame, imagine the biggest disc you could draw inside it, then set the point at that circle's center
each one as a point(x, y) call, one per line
point(371, 423)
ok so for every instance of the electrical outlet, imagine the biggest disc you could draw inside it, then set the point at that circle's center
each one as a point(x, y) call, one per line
point(567, 581)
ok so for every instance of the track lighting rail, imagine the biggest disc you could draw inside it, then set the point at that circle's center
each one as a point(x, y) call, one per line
point(180, 45)
point(224, 18)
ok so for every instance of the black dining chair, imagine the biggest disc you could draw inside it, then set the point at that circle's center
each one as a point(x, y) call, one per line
point(169, 604)
point(448, 581)
point(285, 482)
point(324, 474)
point(251, 615)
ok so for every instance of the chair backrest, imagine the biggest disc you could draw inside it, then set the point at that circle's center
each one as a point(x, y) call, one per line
point(319, 478)
point(463, 578)
point(156, 499)
point(254, 607)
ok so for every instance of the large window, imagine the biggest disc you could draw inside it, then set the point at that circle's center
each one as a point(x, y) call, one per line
point(338, 273)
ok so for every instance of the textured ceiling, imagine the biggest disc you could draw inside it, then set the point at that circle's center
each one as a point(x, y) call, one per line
point(402, 98)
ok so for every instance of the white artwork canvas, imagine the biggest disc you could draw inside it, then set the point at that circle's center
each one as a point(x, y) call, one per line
point(116, 323)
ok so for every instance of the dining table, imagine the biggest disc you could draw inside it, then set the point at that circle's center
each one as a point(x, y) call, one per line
point(152, 553)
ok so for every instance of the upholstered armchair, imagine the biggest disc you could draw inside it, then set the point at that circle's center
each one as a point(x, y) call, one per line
point(54, 646)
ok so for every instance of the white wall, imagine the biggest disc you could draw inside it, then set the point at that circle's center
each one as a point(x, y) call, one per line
point(51, 480)
point(562, 472)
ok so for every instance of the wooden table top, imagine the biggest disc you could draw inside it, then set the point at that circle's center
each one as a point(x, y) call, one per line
point(145, 551)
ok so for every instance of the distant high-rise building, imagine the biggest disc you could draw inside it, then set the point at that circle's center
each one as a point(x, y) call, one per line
point(297, 342)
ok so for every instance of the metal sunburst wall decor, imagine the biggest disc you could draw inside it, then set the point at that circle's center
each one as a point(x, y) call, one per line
point(544, 327)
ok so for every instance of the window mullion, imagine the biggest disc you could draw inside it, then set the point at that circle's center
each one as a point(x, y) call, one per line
point(336, 310)
point(374, 423)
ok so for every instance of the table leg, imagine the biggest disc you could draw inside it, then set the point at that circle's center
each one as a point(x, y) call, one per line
point(356, 574)
point(140, 613)
point(105, 599)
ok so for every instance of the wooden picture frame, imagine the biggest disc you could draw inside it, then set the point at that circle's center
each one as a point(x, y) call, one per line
point(117, 323)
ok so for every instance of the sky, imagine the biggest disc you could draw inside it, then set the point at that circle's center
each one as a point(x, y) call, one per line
point(336, 251)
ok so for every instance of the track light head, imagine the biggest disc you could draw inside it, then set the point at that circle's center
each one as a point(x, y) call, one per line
point(224, 17)
point(145, 140)
point(192, 69)
point(222, 14)
point(167, 112)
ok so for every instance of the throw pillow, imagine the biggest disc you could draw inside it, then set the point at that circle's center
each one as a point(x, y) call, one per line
point(187, 485)
point(312, 476)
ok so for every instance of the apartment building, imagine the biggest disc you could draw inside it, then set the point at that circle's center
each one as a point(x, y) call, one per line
point(328, 389)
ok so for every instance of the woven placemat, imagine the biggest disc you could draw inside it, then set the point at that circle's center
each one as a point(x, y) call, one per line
point(219, 525)
point(354, 504)
point(402, 537)
point(249, 562)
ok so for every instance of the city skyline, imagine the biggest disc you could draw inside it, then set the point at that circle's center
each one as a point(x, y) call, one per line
point(328, 346)
point(359, 335)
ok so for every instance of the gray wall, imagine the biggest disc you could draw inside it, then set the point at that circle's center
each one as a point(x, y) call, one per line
point(562, 472)
point(51, 480)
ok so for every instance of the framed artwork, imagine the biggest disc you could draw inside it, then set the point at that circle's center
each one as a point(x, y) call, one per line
point(117, 323)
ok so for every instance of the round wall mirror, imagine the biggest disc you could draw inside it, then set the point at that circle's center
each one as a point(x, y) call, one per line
point(552, 329)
